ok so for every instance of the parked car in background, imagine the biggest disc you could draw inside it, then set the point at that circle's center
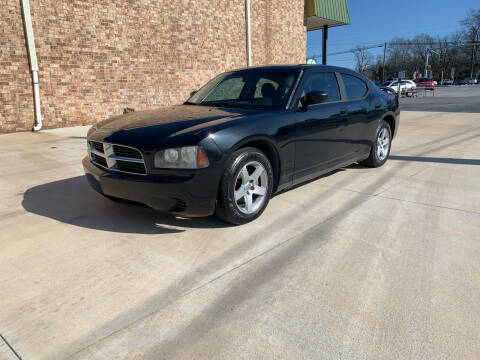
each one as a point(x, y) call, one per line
point(471, 81)
point(467, 81)
point(404, 85)
point(435, 82)
point(425, 83)
point(244, 136)
point(447, 82)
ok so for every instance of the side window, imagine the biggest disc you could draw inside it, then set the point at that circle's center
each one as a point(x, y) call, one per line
point(355, 87)
point(231, 90)
point(323, 82)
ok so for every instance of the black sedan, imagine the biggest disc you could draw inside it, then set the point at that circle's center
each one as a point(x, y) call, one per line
point(242, 137)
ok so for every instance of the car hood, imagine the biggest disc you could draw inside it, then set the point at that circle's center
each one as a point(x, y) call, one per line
point(188, 115)
point(147, 129)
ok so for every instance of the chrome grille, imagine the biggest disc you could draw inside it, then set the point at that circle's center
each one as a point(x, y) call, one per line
point(100, 160)
point(126, 152)
point(97, 146)
point(117, 158)
point(127, 166)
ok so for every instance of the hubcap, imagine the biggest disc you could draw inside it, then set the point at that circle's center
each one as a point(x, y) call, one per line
point(383, 144)
point(251, 187)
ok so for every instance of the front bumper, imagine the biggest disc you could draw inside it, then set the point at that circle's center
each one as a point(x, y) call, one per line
point(189, 194)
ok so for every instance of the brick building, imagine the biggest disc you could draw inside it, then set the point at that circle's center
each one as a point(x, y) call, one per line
point(97, 57)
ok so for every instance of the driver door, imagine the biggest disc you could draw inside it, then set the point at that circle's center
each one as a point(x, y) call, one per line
point(320, 128)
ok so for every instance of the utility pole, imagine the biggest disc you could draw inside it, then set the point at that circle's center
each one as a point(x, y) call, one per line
point(441, 64)
point(472, 61)
point(324, 44)
point(439, 58)
point(426, 64)
point(383, 66)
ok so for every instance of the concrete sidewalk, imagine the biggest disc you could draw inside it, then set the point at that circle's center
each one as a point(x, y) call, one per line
point(359, 264)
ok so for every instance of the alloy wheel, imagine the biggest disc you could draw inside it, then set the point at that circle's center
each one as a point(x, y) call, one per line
point(251, 185)
point(383, 144)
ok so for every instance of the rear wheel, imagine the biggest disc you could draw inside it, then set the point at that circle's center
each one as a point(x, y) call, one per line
point(381, 148)
point(246, 186)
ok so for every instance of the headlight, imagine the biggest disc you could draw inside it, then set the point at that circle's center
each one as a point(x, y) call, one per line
point(188, 157)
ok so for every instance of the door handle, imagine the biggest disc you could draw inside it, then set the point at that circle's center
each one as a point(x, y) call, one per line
point(377, 107)
point(343, 111)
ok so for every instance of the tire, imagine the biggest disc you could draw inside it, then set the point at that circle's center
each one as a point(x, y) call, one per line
point(380, 150)
point(245, 187)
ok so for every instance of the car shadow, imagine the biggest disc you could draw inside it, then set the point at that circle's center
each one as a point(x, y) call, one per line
point(311, 180)
point(436, 160)
point(72, 201)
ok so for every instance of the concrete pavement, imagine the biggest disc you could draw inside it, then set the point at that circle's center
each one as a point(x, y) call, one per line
point(359, 264)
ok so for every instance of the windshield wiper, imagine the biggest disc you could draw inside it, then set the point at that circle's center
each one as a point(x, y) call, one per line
point(219, 104)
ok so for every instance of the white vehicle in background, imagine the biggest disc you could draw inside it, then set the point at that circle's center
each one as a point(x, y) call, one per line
point(405, 85)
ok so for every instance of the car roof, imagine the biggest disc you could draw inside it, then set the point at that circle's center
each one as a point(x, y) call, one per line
point(307, 67)
point(298, 67)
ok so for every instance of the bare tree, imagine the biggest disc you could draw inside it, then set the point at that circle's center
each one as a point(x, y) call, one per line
point(460, 50)
point(363, 59)
point(471, 30)
point(399, 57)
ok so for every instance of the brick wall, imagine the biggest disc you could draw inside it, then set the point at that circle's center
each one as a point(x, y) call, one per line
point(98, 57)
point(16, 94)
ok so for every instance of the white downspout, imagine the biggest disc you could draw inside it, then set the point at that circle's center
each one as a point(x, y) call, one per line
point(249, 39)
point(32, 56)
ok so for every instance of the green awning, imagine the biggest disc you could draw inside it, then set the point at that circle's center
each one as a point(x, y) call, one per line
point(326, 12)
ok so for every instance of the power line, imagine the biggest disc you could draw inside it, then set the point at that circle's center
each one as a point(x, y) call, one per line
point(408, 43)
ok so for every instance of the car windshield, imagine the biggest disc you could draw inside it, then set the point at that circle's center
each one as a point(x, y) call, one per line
point(247, 89)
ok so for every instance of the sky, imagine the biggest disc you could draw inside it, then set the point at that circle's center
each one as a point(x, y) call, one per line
point(378, 21)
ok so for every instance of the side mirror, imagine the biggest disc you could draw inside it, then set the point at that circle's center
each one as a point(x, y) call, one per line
point(193, 92)
point(387, 90)
point(315, 97)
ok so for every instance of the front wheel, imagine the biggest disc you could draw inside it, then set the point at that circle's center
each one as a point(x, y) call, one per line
point(381, 148)
point(245, 187)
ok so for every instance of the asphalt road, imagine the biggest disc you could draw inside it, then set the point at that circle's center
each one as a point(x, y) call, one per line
point(464, 98)
point(359, 264)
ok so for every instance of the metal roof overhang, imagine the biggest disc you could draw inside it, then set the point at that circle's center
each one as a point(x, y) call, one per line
point(319, 13)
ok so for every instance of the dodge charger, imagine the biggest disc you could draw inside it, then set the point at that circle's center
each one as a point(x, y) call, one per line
point(242, 137)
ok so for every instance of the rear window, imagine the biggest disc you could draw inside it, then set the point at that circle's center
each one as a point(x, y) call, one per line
point(355, 87)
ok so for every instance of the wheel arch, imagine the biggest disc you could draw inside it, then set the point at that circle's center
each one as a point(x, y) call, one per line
point(389, 118)
point(268, 147)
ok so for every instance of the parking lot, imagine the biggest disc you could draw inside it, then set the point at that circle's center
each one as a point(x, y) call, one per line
point(358, 264)
point(463, 98)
